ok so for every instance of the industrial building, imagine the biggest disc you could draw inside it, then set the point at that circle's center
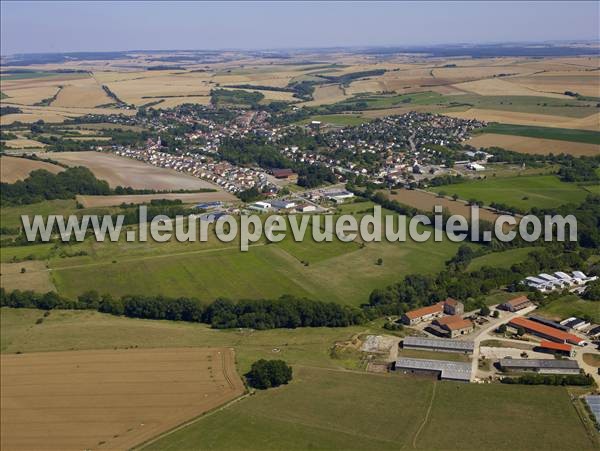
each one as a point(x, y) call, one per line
point(443, 369)
point(547, 322)
point(516, 304)
point(545, 366)
point(283, 204)
point(438, 344)
point(546, 332)
point(557, 281)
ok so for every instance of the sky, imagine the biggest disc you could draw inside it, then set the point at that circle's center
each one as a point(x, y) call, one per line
point(53, 26)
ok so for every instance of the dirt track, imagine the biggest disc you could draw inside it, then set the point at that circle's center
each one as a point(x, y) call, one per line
point(109, 399)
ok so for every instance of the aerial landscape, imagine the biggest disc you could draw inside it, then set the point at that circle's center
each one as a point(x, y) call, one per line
point(160, 175)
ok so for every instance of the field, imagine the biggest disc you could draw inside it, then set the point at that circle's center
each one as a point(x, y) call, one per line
point(504, 259)
point(427, 201)
point(583, 136)
point(534, 146)
point(525, 192)
point(35, 277)
point(128, 172)
point(110, 399)
point(326, 409)
point(106, 201)
point(13, 168)
point(325, 405)
point(571, 305)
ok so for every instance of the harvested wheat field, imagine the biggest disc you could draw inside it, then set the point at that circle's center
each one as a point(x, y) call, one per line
point(24, 143)
point(534, 145)
point(427, 201)
point(15, 168)
point(117, 399)
point(107, 201)
point(35, 278)
point(127, 172)
point(591, 122)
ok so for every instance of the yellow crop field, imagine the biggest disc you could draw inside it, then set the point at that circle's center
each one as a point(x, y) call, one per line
point(327, 94)
point(82, 97)
point(14, 168)
point(29, 96)
point(584, 83)
point(534, 145)
point(591, 122)
point(500, 87)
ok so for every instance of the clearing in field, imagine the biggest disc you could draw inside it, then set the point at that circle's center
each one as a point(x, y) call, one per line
point(128, 172)
point(109, 399)
point(524, 192)
point(535, 146)
point(14, 168)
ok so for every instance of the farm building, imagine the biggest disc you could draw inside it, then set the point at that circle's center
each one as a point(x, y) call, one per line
point(306, 208)
point(443, 369)
point(454, 325)
point(516, 304)
point(547, 332)
point(557, 281)
point(545, 366)
point(340, 196)
point(285, 174)
point(449, 306)
point(423, 314)
point(453, 307)
point(209, 205)
point(438, 344)
point(555, 348)
point(575, 323)
point(547, 322)
point(260, 206)
point(283, 204)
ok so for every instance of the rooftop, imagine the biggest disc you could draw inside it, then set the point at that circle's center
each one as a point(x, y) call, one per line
point(545, 330)
point(440, 343)
point(555, 346)
point(539, 363)
point(518, 301)
point(448, 369)
point(413, 314)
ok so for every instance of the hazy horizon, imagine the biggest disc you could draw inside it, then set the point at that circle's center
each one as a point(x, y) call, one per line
point(63, 27)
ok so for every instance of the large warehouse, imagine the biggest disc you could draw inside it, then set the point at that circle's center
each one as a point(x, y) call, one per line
point(444, 369)
point(438, 344)
point(546, 366)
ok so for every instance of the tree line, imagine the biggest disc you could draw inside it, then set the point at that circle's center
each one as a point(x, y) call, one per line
point(286, 312)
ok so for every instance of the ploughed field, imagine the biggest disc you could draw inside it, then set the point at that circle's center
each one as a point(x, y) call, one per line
point(112, 399)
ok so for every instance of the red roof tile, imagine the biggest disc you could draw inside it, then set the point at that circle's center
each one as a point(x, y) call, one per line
point(546, 330)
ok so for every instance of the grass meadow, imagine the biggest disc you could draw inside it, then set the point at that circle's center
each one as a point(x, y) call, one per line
point(524, 192)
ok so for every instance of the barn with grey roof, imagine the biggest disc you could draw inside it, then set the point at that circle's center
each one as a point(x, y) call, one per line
point(546, 366)
point(443, 369)
point(438, 344)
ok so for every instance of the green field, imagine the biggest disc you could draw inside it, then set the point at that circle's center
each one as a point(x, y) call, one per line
point(522, 192)
point(562, 134)
point(326, 409)
point(7, 76)
point(330, 271)
point(571, 305)
point(504, 259)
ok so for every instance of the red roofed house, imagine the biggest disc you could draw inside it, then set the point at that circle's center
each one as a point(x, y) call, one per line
point(547, 332)
point(455, 325)
point(516, 304)
point(423, 314)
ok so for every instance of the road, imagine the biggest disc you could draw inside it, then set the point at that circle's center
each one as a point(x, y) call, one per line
point(483, 334)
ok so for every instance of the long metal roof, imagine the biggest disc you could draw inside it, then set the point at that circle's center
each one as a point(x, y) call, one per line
point(539, 363)
point(440, 343)
point(448, 369)
point(594, 402)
